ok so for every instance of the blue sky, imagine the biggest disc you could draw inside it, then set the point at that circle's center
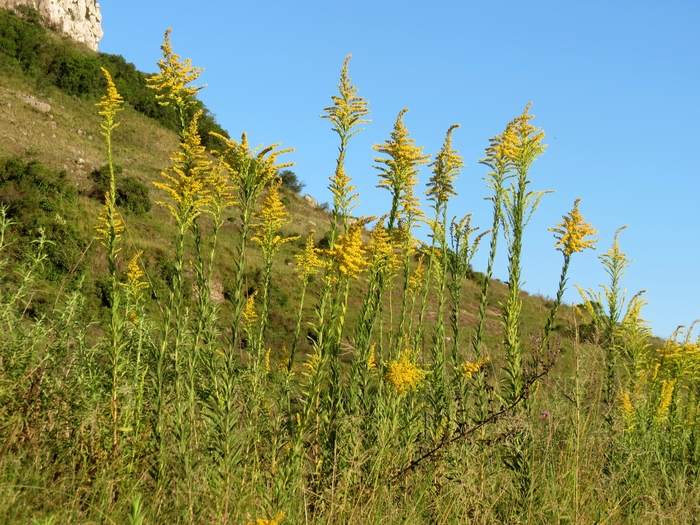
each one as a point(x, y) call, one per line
point(614, 85)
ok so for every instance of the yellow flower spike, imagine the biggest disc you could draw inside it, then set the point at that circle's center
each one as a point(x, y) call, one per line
point(266, 362)
point(469, 368)
point(221, 191)
point(134, 274)
point(667, 388)
point(415, 282)
point(399, 172)
point(188, 185)
point(312, 364)
point(284, 359)
point(251, 169)
point(403, 375)
point(348, 109)
point(344, 194)
point(400, 148)
point(348, 253)
point(628, 413)
point(346, 113)
point(109, 223)
point(372, 359)
point(404, 241)
point(110, 104)
point(267, 158)
point(249, 313)
point(382, 255)
point(502, 148)
point(308, 262)
point(446, 166)
point(273, 215)
point(571, 234)
point(173, 81)
point(523, 140)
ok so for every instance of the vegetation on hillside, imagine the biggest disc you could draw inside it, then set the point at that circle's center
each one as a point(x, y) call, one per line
point(51, 59)
point(368, 378)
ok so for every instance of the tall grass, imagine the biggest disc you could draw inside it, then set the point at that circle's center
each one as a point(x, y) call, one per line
point(168, 411)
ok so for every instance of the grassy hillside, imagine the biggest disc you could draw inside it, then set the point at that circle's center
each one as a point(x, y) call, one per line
point(186, 340)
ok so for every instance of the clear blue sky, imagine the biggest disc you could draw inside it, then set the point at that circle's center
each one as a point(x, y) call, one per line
point(614, 85)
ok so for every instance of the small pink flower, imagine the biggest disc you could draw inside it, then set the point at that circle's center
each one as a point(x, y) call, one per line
point(545, 415)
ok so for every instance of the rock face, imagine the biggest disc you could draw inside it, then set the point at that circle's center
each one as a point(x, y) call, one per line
point(79, 19)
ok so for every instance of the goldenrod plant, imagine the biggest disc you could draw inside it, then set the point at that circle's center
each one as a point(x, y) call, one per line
point(273, 217)
point(308, 265)
point(349, 110)
point(173, 83)
point(398, 174)
point(251, 171)
point(606, 311)
point(446, 167)
point(572, 236)
point(522, 144)
point(176, 382)
point(109, 231)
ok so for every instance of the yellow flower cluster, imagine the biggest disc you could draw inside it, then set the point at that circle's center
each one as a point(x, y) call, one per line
point(525, 140)
point(571, 234)
point(109, 105)
point(446, 166)
point(403, 238)
point(348, 253)
point(469, 368)
point(308, 262)
point(273, 521)
point(174, 77)
point(674, 351)
point(274, 216)
point(381, 250)
point(348, 109)
point(345, 114)
point(284, 359)
point(682, 358)
point(667, 387)
point(627, 409)
point(415, 281)
point(344, 195)
point(188, 185)
point(372, 359)
point(398, 173)
point(403, 375)
point(403, 154)
point(222, 192)
point(252, 169)
point(249, 313)
point(501, 150)
point(266, 361)
point(312, 364)
point(110, 225)
point(134, 274)
point(517, 147)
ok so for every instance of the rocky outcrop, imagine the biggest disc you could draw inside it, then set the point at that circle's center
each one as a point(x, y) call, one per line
point(79, 19)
